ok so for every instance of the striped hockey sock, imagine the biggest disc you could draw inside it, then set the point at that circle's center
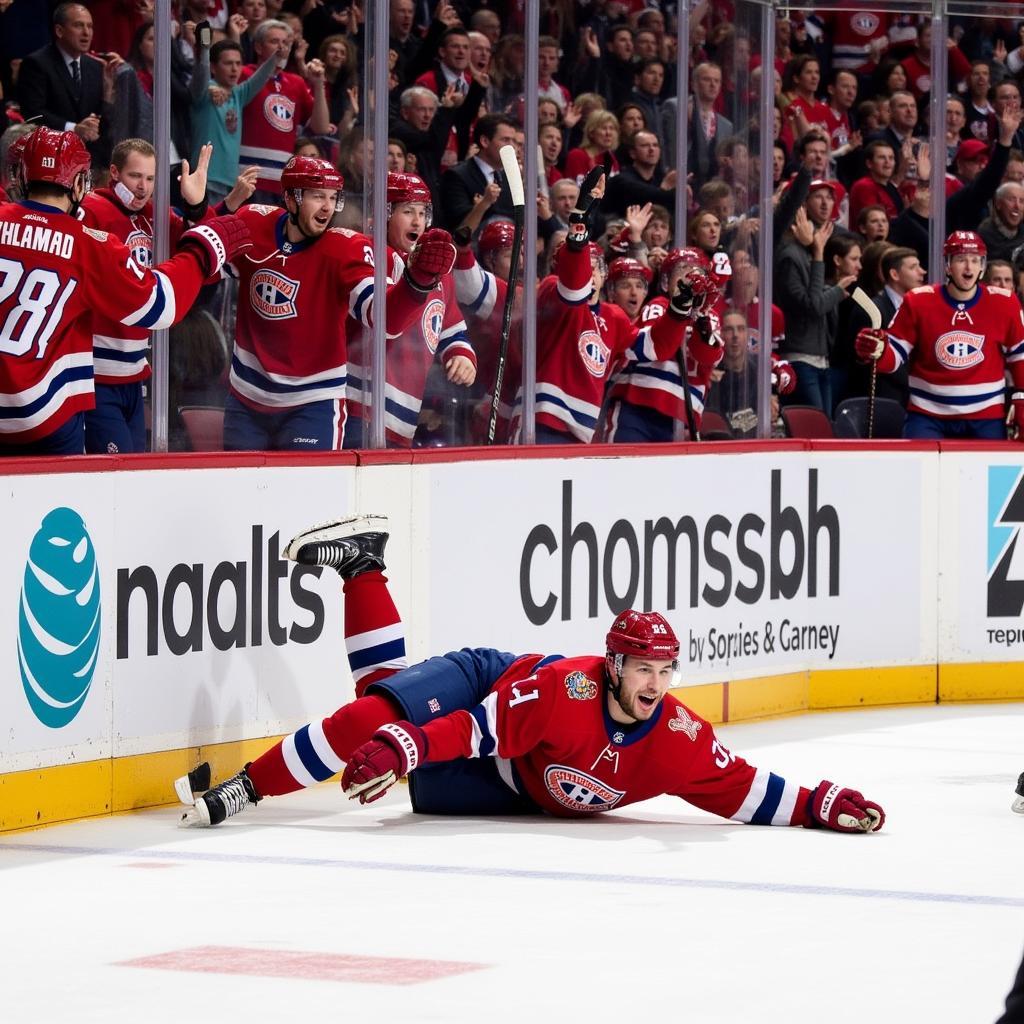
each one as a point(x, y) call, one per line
point(374, 635)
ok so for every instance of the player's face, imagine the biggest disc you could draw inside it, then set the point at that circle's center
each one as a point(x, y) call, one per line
point(965, 271)
point(643, 685)
point(316, 211)
point(138, 176)
point(407, 222)
point(503, 263)
point(629, 293)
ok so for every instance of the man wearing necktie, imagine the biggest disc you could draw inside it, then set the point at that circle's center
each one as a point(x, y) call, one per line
point(62, 86)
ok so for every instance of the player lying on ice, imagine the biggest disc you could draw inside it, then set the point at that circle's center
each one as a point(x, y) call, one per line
point(479, 731)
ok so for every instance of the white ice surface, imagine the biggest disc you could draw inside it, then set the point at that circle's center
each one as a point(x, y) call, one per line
point(655, 913)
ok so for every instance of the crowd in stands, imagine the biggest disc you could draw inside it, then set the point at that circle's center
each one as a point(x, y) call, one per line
point(853, 171)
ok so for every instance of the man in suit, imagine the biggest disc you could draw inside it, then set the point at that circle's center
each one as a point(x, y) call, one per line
point(462, 183)
point(64, 88)
point(707, 128)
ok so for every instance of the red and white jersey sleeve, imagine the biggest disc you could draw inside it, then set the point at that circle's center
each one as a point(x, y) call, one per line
point(555, 742)
point(852, 34)
point(55, 275)
point(958, 352)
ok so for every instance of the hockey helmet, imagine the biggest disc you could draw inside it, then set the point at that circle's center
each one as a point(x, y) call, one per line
point(57, 158)
point(303, 172)
point(964, 243)
point(689, 256)
point(408, 188)
point(643, 635)
point(596, 256)
point(498, 235)
point(624, 267)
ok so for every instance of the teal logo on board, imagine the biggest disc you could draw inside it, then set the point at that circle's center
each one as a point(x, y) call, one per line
point(59, 618)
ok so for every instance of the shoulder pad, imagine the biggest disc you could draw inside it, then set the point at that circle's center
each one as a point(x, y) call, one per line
point(100, 236)
point(993, 290)
point(922, 289)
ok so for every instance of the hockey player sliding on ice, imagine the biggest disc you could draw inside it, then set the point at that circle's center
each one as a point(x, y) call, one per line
point(479, 731)
point(959, 340)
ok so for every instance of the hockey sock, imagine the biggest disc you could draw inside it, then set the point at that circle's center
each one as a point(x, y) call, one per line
point(374, 635)
point(319, 750)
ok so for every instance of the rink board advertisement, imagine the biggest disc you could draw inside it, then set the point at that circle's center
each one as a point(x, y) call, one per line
point(152, 610)
point(982, 597)
point(764, 564)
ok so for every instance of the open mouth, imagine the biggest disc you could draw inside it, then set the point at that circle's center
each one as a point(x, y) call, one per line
point(409, 238)
point(646, 701)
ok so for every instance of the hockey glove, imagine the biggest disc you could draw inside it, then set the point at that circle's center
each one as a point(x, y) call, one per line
point(695, 294)
point(432, 257)
point(784, 377)
point(1017, 414)
point(582, 217)
point(873, 346)
point(218, 241)
point(842, 810)
point(394, 750)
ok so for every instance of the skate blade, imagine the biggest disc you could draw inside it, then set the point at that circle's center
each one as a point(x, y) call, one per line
point(1018, 805)
point(336, 529)
point(195, 816)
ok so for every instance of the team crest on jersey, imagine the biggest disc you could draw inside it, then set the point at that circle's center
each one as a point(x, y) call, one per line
point(432, 322)
point(273, 295)
point(864, 23)
point(580, 687)
point(959, 350)
point(684, 723)
point(579, 791)
point(279, 111)
point(231, 121)
point(140, 245)
point(594, 353)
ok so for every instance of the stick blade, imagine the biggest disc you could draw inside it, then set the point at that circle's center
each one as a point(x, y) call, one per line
point(874, 314)
point(513, 175)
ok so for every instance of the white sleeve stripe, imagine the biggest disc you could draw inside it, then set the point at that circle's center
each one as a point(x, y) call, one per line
point(755, 796)
point(784, 814)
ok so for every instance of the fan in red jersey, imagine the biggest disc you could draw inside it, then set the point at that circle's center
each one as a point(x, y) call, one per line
point(289, 368)
point(479, 731)
point(58, 274)
point(959, 340)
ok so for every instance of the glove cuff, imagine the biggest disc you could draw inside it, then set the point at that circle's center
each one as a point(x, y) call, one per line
point(211, 244)
point(408, 740)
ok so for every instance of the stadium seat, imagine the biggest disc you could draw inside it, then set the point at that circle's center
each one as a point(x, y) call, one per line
point(806, 421)
point(204, 425)
point(851, 419)
point(714, 427)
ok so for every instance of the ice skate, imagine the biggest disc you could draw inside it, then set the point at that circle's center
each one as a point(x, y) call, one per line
point(220, 803)
point(188, 787)
point(1018, 801)
point(349, 546)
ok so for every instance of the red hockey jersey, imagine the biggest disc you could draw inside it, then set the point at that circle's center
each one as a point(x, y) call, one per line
point(119, 351)
point(958, 352)
point(578, 344)
point(270, 125)
point(554, 741)
point(438, 333)
point(293, 302)
point(55, 275)
point(852, 33)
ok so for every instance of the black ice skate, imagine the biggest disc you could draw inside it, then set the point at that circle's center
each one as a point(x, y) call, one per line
point(221, 802)
point(350, 546)
point(1018, 800)
point(188, 787)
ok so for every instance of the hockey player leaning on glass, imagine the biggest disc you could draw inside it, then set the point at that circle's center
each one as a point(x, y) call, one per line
point(959, 340)
point(480, 731)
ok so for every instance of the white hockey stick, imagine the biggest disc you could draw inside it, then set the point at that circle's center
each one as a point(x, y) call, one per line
point(874, 315)
point(514, 178)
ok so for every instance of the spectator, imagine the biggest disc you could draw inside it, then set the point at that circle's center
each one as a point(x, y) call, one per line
point(64, 87)
point(643, 179)
point(340, 59)
point(808, 304)
point(733, 391)
point(800, 82)
point(842, 261)
point(601, 139)
point(969, 205)
point(872, 254)
point(999, 274)
point(271, 121)
point(632, 119)
point(889, 76)
point(199, 361)
point(1003, 231)
point(981, 118)
point(971, 159)
point(650, 77)
point(242, 28)
point(657, 235)
point(956, 121)
point(900, 133)
point(547, 62)
point(398, 156)
point(707, 126)
point(1015, 166)
point(487, 23)
point(352, 162)
point(779, 160)
point(219, 122)
point(611, 74)
point(873, 224)
point(1006, 96)
point(842, 94)
point(468, 179)
point(451, 66)
point(876, 188)
point(404, 41)
point(506, 74)
point(564, 194)
point(549, 141)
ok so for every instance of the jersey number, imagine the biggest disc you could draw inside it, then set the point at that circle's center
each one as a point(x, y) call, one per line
point(522, 698)
point(36, 315)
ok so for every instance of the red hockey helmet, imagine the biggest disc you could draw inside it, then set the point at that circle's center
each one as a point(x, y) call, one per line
point(624, 266)
point(303, 172)
point(498, 235)
point(57, 158)
point(643, 635)
point(964, 243)
point(689, 256)
point(596, 256)
point(409, 188)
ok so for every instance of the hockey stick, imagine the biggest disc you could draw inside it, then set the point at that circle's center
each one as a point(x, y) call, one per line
point(874, 315)
point(514, 178)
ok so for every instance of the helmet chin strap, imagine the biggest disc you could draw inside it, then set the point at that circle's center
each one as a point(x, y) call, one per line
point(614, 680)
point(294, 217)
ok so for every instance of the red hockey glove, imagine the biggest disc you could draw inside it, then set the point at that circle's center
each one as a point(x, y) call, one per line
point(1017, 415)
point(785, 377)
point(842, 810)
point(873, 346)
point(394, 750)
point(432, 257)
point(696, 293)
point(218, 241)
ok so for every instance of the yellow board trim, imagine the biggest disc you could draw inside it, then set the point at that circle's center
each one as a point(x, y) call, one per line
point(45, 796)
